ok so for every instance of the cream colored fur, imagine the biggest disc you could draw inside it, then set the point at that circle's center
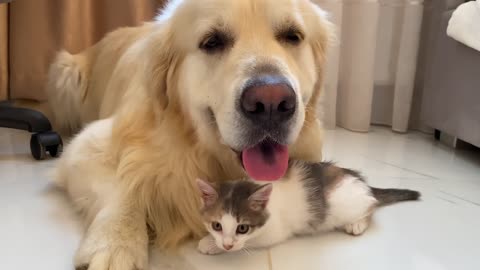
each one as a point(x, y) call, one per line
point(137, 168)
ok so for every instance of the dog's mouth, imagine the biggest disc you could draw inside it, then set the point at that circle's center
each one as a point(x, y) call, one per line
point(265, 161)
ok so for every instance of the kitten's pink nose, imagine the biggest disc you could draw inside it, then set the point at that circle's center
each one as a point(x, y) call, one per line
point(227, 247)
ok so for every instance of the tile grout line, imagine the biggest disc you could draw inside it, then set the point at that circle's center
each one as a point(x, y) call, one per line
point(270, 263)
point(402, 168)
point(460, 198)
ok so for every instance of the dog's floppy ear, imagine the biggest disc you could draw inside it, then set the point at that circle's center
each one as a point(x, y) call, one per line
point(147, 71)
point(161, 65)
point(321, 36)
point(322, 33)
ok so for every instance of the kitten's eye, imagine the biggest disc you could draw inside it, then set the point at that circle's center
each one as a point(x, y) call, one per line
point(217, 226)
point(215, 42)
point(243, 229)
point(291, 36)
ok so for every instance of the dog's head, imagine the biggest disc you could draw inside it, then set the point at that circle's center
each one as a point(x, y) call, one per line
point(246, 73)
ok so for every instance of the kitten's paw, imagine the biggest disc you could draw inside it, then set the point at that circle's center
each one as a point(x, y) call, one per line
point(207, 246)
point(358, 227)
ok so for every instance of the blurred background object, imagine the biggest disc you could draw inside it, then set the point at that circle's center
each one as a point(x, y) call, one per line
point(3, 51)
point(392, 64)
point(451, 99)
point(372, 69)
point(32, 31)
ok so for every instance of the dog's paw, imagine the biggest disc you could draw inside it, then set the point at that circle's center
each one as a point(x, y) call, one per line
point(112, 258)
point(207, 246)
point(359, 227)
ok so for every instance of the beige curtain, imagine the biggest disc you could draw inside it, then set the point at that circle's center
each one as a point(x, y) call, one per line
point(3, 51)
point(39, 28)
point(372, 69)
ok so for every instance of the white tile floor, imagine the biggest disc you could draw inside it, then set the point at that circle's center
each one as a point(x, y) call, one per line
point(38, 229)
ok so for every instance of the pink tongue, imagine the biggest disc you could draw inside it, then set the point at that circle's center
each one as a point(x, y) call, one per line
point(266, 161)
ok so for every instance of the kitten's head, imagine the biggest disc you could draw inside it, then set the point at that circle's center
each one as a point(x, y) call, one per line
point(234, 212)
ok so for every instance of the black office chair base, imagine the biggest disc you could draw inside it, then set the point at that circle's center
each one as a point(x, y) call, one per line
point(43, 139)
point(43, 142)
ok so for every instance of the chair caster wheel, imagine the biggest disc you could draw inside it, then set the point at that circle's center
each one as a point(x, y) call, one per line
point(41, 143)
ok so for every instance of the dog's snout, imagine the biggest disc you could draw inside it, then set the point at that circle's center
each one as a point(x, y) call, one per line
point(268, 100)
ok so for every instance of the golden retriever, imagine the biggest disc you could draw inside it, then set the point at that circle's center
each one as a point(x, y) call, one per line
point(213, 89)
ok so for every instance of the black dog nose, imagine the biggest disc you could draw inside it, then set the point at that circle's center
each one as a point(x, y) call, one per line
point(268, 100)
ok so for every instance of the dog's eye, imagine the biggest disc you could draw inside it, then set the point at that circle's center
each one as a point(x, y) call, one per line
point(215, 42)
point(291, 36)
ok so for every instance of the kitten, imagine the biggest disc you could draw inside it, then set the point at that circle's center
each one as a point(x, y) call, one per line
point(312, 198)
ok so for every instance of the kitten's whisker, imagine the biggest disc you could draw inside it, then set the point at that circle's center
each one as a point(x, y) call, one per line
point(246, 250)
point(250, 250)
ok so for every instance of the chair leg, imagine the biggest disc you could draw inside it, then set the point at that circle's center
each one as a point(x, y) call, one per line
point(437, 134)
point(43, 142)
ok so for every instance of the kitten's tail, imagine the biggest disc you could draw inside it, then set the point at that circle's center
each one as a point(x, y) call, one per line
point(391, 195)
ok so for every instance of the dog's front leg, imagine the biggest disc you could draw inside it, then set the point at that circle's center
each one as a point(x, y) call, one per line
point(116, 239)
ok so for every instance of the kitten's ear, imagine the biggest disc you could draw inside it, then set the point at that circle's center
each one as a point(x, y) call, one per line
point(209, 194)
point(259, 199)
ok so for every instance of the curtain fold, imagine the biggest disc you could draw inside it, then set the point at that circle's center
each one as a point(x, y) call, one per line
point(372, 72)
point(39, 28)
point(3, 51)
